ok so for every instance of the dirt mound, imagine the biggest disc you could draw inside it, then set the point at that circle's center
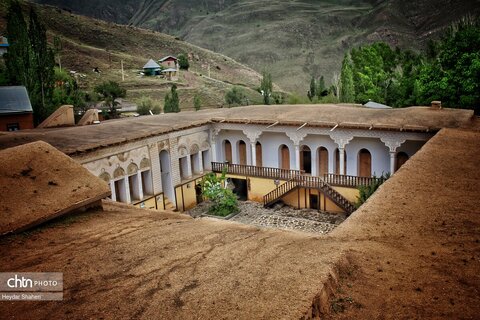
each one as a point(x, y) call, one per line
point(38, 183)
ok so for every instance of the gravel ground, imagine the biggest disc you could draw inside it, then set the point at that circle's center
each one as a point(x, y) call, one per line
point(280, 217)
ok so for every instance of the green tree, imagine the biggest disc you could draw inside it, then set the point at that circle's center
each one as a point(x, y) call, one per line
point(183, 62)
point(367, 191)
point(224, 201)
point(58, 47)
point(17, 59)
point(197, 102)
point(234, 97)
point(146, 105)
point(172, 102)
point(266, 87)
point(110, 91)
point(311, 93)
point(347, 88)
point(66, 91)
point(321, 90)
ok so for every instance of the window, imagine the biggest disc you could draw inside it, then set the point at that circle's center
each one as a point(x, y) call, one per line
point(13, 126)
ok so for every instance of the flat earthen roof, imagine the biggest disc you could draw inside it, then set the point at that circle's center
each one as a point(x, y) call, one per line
point(411, 251)
point(81, 139)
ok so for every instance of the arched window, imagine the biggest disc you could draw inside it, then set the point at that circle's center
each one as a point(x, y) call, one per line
point(284, 157)
point(364, 163)
point(401, 158)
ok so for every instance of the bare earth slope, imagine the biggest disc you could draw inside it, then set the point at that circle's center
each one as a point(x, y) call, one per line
point(412, 251)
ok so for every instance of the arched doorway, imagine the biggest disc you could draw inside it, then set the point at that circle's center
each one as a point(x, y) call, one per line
point(322, 161)
point(306, 159)
point(227, 151)
point(401, 158)
point(167, 185)
point(284, 157)
point(242, 152)
point(364, 163)
point(337, 161)
point(258, 154)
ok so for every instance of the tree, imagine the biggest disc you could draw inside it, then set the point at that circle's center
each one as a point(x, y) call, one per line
point(58, 47)
point(146, 105)
point(266, 87)
point(43, 63)
point(224, 201)
point(235, 97)
point(311, 93)
point(66, 91)
point(347, 88)
point(17, 59)
point(321, 90)
point(110, 91)
point(172, 103)
point(197, 102)
point(183, 62)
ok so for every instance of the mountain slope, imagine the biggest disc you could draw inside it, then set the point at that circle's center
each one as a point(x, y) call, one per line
point(293, 39)
point(89, 43)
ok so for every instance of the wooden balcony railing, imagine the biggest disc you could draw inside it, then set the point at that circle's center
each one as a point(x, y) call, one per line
point(253, 171)
point(348, 181)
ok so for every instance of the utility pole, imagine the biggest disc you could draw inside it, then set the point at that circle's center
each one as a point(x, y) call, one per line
point(123, 74)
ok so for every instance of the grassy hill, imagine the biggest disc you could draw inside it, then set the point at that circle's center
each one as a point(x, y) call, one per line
point(90, 43)
point(293, 39)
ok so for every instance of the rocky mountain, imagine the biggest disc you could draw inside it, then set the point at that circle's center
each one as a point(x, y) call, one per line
point(294, 39)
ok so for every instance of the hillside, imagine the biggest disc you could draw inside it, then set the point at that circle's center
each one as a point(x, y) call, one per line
point(89, 43)
point(293, 39)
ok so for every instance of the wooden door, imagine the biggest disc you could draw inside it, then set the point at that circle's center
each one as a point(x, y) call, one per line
point(285, 154)
point(364, 163)
point(242, 152)
point(322, 161)
point(258, 154)
point(228, 151)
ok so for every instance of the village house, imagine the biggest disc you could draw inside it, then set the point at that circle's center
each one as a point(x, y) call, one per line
point(15, 109)
point(304, 155)
point(151, 68)
point(170, 67)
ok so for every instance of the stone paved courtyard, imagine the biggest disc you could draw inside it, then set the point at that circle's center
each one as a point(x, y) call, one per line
point(281, 217)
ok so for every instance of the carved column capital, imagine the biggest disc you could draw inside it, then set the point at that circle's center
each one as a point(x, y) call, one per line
point(252, 135)
point(392, 144)
point(296, 137)
point(341, 139)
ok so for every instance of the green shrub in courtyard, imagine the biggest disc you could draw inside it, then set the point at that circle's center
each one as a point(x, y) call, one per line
point(224, 201)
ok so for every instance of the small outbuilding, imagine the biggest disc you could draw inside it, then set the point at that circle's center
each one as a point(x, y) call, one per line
point(16, 112)
point(151, 68)
point(3, 45)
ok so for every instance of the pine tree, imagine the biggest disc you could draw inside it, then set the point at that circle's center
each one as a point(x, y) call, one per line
point(311, 93)
point(321, 88)
point(266, 87)
point(172, 102)
point(17, 59)
point(42, 69)
point(347, 89)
